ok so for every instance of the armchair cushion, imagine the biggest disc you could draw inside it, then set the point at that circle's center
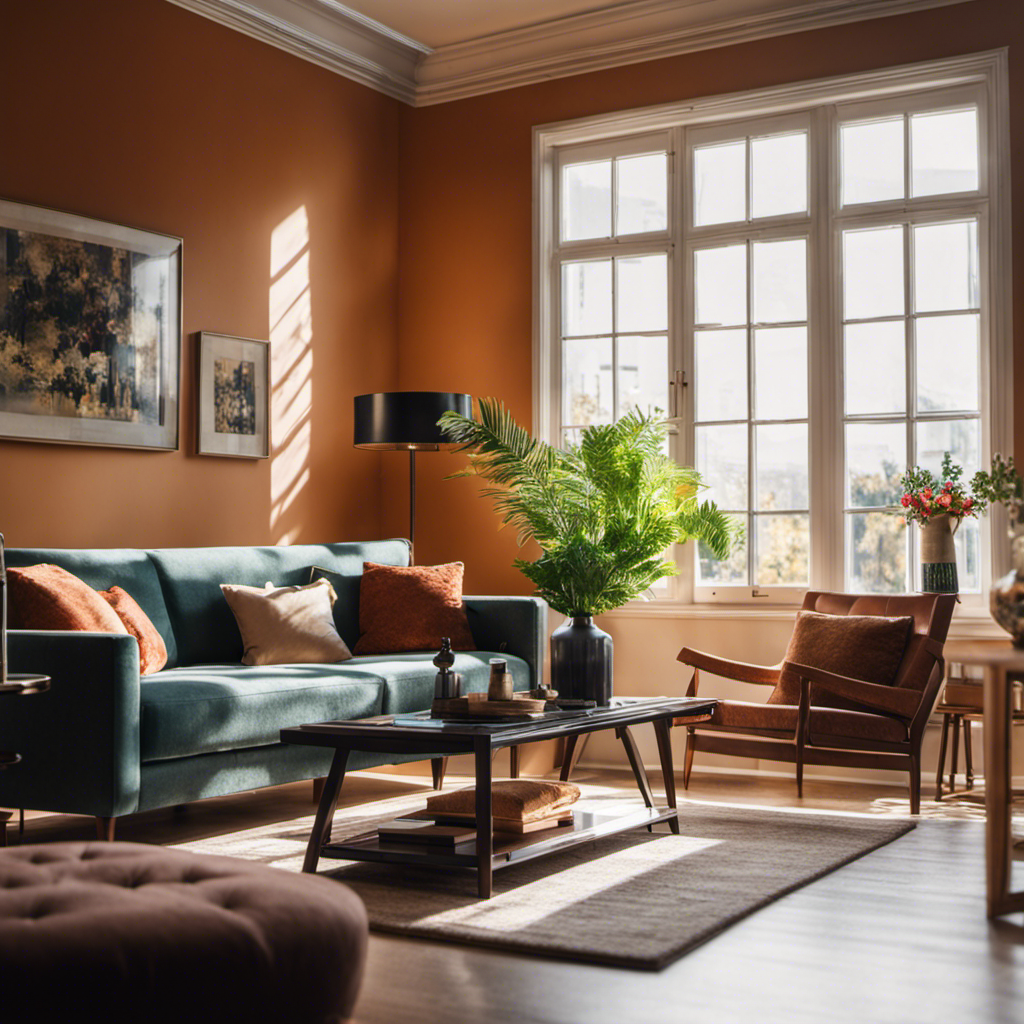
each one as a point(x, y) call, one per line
point(866, 647)
point(825, 722)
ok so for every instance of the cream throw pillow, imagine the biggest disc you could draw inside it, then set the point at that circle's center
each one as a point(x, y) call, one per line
point(286, 625)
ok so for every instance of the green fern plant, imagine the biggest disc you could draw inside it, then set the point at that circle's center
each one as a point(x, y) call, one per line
point(603, 511)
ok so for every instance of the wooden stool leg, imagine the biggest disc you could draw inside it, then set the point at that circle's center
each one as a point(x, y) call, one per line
point(942, 757)
point(956, 753)
point(513, 758)
point(438, 766)
point(967, 753)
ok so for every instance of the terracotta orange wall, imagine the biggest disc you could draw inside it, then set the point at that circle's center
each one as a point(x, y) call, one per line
point(465, 223)
point(141, 113)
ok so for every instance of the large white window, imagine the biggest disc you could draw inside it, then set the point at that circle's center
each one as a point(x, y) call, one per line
point(811, 283)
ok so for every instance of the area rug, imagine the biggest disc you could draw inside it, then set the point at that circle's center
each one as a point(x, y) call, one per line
point(637, 900)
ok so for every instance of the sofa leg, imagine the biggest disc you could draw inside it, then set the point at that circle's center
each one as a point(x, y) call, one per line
point(318, 788)
point(438, 766)
point(105, 829)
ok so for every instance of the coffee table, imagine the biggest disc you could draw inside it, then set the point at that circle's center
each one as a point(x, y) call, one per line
point(419, 734)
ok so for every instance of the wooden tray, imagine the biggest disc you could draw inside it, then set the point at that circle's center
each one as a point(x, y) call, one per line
point(475, 705)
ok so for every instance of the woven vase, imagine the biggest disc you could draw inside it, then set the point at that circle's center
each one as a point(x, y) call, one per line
point(938, 556)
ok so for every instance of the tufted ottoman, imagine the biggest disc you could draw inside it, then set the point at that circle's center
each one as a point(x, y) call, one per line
point(129, 932)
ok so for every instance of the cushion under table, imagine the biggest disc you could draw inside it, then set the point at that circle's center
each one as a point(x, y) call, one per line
point(128, 932)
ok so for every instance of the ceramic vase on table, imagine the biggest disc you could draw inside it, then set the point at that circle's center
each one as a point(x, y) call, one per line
point(938, 556)
point(1006, 598)
point(581, 660)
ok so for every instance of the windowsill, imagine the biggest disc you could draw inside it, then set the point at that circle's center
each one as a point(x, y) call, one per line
point(968, 622)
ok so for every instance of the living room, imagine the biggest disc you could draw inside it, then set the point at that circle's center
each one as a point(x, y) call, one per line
point(385, 229)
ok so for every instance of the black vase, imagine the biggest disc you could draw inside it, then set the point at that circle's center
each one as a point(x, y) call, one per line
point(581, 660)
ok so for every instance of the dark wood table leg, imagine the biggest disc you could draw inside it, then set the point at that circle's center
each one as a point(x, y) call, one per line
point(942, 757)
point(663, 731)
point(484, 820)
point(956, 753)
point(636, 764)
point(574, 746)
point(321, 833)
point(438, 767)
point(513, 762)
point(968, 756)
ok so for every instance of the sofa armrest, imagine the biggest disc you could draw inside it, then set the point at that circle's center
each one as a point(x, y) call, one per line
point(79, 741)
point(511, 625)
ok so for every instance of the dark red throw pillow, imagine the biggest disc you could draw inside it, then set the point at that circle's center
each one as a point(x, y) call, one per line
point(152, 649)
point(409, 608)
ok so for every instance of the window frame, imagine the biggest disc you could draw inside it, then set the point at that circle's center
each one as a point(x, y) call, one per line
point(936, 85)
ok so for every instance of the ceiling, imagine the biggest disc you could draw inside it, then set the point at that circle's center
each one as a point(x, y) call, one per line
point(441, 22)
point(434, 51)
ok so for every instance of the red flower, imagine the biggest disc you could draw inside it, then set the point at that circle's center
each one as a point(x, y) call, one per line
point(905, 500)
point(926, 493)
point(968, 502)
point(945, 500)
point(949, 485)
point(925, 512)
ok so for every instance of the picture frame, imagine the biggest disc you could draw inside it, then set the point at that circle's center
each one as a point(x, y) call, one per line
point(233, 400)
point(90, 330)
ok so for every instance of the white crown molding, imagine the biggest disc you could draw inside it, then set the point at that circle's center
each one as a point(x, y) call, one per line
point(326, 33)
point(329, 34)
point(629, 33)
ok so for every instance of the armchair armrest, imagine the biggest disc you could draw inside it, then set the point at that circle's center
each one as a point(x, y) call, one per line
point(79, 741)
point(741, 671)
point(898, 701)
point(511, 625)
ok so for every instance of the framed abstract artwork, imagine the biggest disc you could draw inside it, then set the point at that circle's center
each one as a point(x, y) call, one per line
point(90, 330)
point(234, 396)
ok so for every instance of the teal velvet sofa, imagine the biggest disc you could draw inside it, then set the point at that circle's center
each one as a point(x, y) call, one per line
point(105, 742)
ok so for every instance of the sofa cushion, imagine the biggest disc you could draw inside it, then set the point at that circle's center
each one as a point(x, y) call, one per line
point(102, 568)
point(152, 649)
point(204, 708)
point(408, 679)
point(48, 597)
point(286, 625)
point(203, 624)
point(411, 607)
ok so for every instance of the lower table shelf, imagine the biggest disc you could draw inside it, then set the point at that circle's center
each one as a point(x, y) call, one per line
point(508, 848)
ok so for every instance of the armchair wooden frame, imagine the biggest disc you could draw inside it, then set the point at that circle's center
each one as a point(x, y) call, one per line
point(911, 705)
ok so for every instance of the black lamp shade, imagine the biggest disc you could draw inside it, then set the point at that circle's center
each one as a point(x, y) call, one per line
point(406, 420)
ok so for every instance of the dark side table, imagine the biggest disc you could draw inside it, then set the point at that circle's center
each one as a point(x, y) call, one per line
point(17, 686)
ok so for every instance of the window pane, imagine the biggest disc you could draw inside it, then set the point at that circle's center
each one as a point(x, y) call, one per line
point(781, 466)
point(872, 161)
point(946, 267)
point(721, 374)
point(967, 542)
point(780, 373)
point(875, 359)
point(959, 437)
point(642, 293)
point(587, 200)
point(779, 171)
point(780, 281)
point(643, 375)
point(783, 550)
point(944, 152)
point(587, 382)
point(876, 553)
point(731, 571)
point(722, 462)
point(873, 273)
point(876, 456)
point(721, 285)
point(587, 298)
point(641, 203)
point(947, 363)
point(720, 183)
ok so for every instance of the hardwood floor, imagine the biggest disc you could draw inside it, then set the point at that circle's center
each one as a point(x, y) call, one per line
point(899, 936)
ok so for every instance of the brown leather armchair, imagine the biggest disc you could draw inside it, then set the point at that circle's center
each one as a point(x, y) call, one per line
point(873, 726)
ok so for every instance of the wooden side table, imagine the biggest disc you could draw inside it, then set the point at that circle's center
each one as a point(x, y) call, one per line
point(17, 686)
point(1000, 661)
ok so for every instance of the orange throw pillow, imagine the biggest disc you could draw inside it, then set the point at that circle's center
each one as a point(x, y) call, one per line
point(49, 597)
point(152, 649)
point(409, 608)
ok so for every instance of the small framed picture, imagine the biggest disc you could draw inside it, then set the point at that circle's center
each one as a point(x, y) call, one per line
point(234, 396)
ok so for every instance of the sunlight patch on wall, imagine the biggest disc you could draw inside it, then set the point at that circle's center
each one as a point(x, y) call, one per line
point(291, 358)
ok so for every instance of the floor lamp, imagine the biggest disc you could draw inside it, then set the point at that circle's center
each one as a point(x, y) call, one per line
point(406, 421)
